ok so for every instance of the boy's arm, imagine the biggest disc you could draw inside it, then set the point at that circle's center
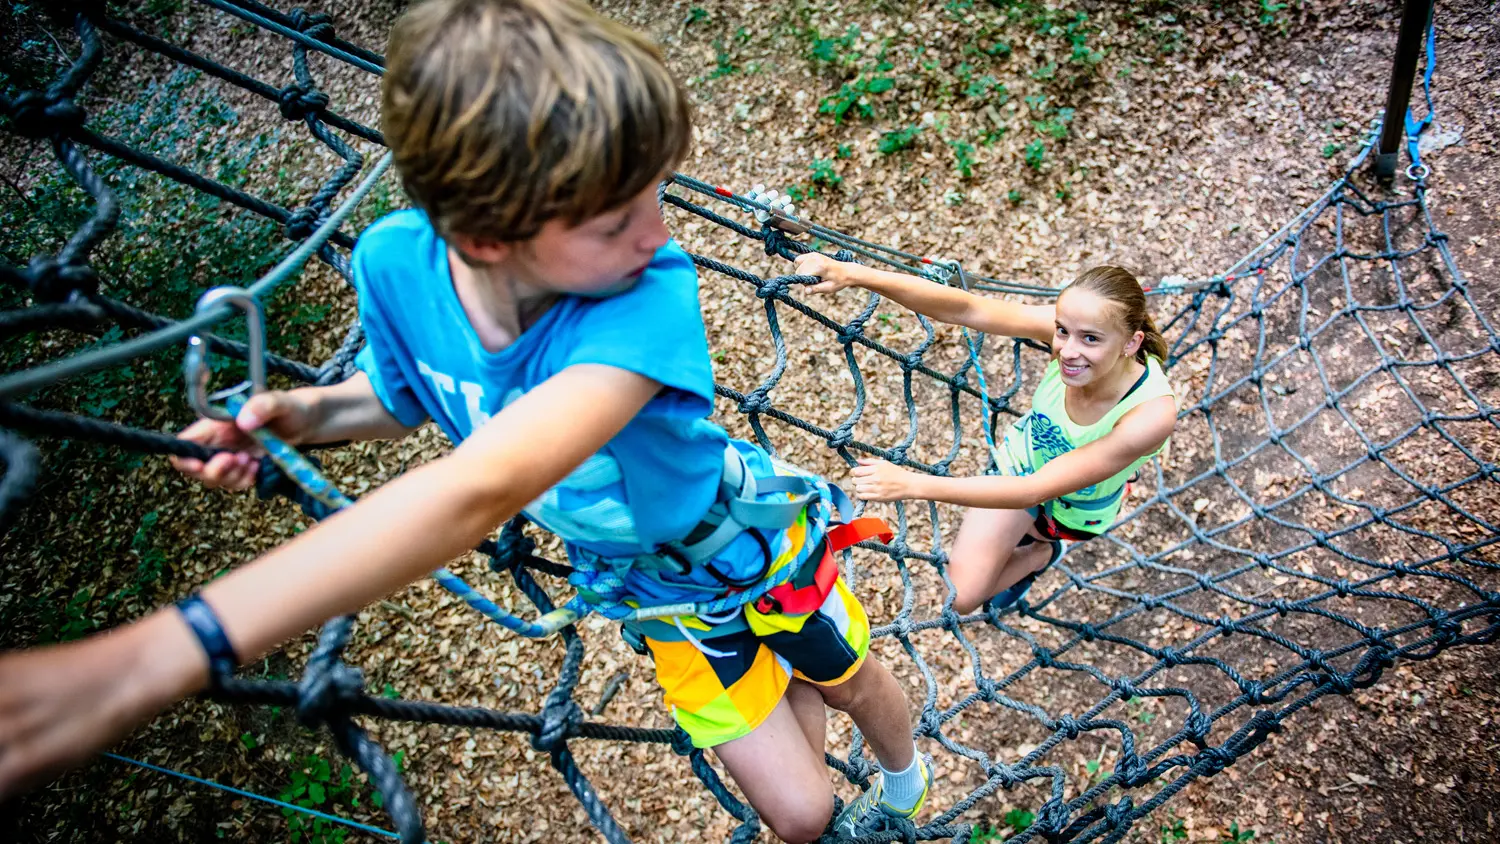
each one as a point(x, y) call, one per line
point(350, 410)
point(1139, 432)
point(939, 301)
point(58, 705)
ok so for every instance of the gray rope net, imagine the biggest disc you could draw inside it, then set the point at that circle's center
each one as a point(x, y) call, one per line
point(1326, 510)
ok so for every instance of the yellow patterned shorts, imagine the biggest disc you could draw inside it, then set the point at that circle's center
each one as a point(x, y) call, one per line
point(721, 688)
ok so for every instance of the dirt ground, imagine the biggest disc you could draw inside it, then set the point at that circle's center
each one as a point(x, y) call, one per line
point(1174, 138)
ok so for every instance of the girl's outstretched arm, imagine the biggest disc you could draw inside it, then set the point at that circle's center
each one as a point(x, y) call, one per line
point(939, 301)
point(60, 704)
point(1141, 431)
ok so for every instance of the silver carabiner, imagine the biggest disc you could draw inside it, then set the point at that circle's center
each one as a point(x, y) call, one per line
point(195, 370)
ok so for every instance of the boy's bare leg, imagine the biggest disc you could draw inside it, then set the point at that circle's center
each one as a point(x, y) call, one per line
point(782, 775)
point(812, 713)
point(875, 701)
point(984, 558)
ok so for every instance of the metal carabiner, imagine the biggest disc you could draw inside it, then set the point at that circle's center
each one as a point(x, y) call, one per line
point(195, 370)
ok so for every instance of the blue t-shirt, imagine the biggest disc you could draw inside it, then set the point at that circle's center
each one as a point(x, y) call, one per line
point(653, 482)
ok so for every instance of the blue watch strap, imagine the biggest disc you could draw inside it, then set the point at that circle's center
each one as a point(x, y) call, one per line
point(222, 659)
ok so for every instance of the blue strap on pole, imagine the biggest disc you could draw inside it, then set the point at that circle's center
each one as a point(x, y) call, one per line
point(1414, 127)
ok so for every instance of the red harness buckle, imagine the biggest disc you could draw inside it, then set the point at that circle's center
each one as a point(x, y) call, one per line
point(788, 599)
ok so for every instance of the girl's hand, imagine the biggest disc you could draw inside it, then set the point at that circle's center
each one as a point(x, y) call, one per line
point(61, 704)
point(285, 414)
point(878, 480)
point(824, 267)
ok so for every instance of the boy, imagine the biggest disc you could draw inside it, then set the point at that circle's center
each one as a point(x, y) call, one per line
point(536, 310)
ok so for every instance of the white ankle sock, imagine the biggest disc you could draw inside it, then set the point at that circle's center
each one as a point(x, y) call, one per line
point(902, 789)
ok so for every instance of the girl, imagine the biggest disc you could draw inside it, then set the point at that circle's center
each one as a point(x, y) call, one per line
point(1102, 409)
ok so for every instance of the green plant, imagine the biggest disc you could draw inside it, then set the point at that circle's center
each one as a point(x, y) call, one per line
point(1019, 820)
point(990, 136)
point(723, 62)
point(695, 15)
point(831, 50)
point(824, 174)
point(1173, 830)
point(1014, 196)
point(844, 151)
point(1055, 125)
point(954, 198)
point(1036, 153)
point(899, 139)
point(963, 158)
point(315, 786)
point(1330, 150)
point(1270, 14)
point(1235, 836)
point(855, 94)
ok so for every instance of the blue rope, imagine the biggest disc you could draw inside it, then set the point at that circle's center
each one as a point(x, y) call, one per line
point(1414, 127)
point(252, 795)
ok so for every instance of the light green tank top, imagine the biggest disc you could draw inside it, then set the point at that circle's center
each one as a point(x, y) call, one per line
point(1047, 431)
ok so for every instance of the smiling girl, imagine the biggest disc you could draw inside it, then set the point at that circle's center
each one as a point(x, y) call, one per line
point(1102, 409)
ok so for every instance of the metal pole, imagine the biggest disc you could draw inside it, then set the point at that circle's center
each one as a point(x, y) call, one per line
point(1415, 18)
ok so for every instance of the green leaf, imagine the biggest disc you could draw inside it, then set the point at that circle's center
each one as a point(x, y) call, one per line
point(880, 84)
point(317, 793)
point(248, 741)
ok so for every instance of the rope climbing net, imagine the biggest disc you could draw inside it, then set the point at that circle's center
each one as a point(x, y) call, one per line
point(1326, 509)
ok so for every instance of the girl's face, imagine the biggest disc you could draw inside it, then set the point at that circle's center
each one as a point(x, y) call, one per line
point(1088, 339)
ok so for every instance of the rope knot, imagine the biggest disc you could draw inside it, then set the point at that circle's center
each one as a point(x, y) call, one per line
point(1052, 818)
point(844, 255)
point(1171, 657)
point(1132, 771)
point(842, 436)
point(1068, 726)
point(43, 114)
point(682, 743)
point(1255, 691)
point(756, 402)
point(512, 546)
point(1118, 814)
point(1214, 759)
point(1124, 687)
point(301, 224)
point(1043, 657)
point(1198, 726)
point(776, 243)
point(328, 683)
point(773, 287)
point(297, 101)
point(51, 280)
point(316, 25)
point(560, 720)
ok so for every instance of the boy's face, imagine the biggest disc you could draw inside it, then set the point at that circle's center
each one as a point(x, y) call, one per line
point(598, 257)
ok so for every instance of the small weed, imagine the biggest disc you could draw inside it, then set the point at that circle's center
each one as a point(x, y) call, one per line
point(695, 15)
point(1235, 836)
point(248, 741)
point(1173, 830)
point(894, 141)
point(832, 50)
point(1019, 820)
point(1270, 14)
point(719, 356)
point(723, 62)
point(855, 95)
point(963, 159)
point(824, 174)
point(990, 136)
point(1330, 150)
point(1045, 73)
point(1036, 153)
point(889, 319)
point(1014, 196)
point(844, 151)
point(953, 198)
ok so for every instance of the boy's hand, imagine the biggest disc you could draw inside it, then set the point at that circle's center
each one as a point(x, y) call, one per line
point(877, 480)
point(824, 267)
point(61, 704)
point(287, 415)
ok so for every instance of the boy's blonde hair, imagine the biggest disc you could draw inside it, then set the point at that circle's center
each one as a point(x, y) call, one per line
point(505, 114)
